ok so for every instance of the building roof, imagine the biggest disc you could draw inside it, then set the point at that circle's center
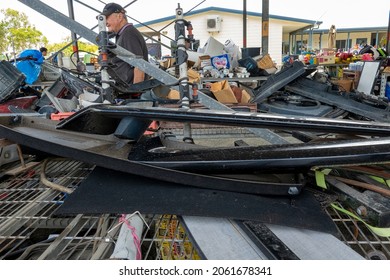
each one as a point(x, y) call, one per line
point(350, 30)
point(231, 11)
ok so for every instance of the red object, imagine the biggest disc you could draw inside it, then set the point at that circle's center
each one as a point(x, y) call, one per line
point(60, 116)
point(152, 128)
point(20, 102)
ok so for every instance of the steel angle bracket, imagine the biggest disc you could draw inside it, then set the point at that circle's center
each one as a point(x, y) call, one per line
point(40, 134)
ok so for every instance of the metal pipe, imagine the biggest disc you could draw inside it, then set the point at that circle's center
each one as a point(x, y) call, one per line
point(73, 34)
point(181, 58)
point(244, 22)
point(265, 26)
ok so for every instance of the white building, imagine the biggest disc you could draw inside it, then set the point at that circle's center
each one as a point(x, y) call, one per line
point(227, 24)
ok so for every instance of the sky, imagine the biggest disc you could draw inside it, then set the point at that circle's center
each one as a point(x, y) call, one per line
point(342, 14)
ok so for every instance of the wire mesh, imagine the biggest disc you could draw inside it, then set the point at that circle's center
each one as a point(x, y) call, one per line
point(30, 230)
point(359, 237)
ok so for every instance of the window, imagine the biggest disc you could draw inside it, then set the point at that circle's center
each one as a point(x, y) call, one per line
point(360, 41)
point(301, 46)
point(342, 44)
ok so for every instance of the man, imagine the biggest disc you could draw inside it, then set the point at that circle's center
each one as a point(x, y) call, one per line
point(43, 51)
point(128, 37)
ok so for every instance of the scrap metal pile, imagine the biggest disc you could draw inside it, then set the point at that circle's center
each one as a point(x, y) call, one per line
point(284, 168)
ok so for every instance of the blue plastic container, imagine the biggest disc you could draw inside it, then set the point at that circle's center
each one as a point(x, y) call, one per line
point(387, 90)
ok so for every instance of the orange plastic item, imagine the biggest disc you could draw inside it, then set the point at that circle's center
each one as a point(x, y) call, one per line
point(152, 128)
point(60, 116)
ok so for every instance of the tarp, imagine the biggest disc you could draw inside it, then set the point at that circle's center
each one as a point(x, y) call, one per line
point(31, 68)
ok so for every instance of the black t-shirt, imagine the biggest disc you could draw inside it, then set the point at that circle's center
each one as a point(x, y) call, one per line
point(132, 40)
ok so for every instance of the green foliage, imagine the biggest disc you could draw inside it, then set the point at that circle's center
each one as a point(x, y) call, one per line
point(82, 46)
point(17, 33)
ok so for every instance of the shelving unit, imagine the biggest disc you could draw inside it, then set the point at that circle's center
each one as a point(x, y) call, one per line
point(256, 80)
point(384, 77)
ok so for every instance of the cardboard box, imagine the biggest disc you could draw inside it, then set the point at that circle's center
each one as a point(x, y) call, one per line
point(223, 92)
point(264, 62)
point(167, 62)
point(246, 97)
point(173, 94)
point(193, 76)
point(327, 52)
point(213, 47)
point(203, 61)
point(193, 56)
point(344, 85)
point(326, 60)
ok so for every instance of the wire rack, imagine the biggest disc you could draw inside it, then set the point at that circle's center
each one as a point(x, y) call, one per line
point(359, 237)
point(30, 230)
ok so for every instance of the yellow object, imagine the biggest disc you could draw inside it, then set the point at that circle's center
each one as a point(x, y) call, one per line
point(173, 94)
point(223, 92)
point(193, 76)
point(384, 232)
point(174, 243)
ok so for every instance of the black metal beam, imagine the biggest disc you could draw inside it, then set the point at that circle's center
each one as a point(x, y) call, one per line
point(320, 92)
point(104, 117)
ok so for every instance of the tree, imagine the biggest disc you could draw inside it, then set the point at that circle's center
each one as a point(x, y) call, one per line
point(82, 46)
point(18, 33)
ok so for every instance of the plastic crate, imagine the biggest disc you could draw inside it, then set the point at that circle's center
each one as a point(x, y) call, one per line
point(10, 79)
point(49, 72)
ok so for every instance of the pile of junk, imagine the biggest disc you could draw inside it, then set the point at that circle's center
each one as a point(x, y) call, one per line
point(306, 147)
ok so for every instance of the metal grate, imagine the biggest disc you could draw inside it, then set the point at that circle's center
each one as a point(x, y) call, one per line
point(29, 230)
point(359, 237)
point(26, 205)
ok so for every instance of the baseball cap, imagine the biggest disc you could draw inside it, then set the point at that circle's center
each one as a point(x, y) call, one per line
point(111, 8)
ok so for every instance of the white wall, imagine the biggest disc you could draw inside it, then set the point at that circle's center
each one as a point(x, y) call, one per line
point(231, 29)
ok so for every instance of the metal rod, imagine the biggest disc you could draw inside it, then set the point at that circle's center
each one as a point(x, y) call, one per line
point(73, 34)
point(244, 25)
point(265, 26)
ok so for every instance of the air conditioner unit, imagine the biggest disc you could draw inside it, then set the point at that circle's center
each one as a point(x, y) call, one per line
point(213, 23)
